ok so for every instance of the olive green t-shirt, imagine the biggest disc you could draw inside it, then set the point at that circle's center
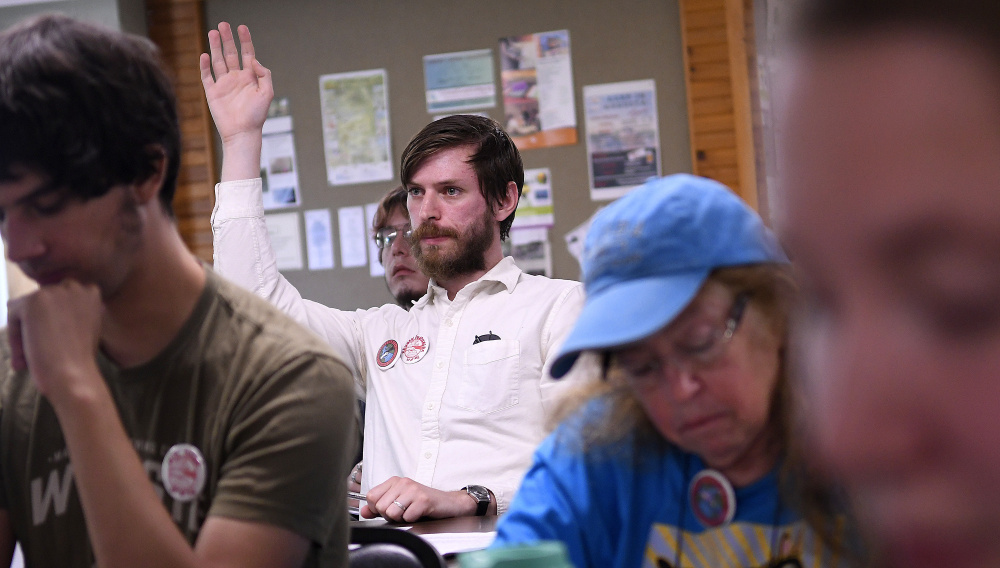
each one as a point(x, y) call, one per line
point(267, 405)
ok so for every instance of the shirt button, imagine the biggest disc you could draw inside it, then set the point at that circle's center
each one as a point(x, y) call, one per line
point(430, 406)
point(440, 365)
point(447, 322)
point(427, 455)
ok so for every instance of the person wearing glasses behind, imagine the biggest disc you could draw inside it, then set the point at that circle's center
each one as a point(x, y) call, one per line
point(403, 278)
point(682, 455)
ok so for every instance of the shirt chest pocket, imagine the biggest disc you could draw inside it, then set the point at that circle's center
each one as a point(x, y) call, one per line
point(491, 376)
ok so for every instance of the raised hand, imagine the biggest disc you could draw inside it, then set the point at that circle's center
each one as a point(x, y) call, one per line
point(238, 97)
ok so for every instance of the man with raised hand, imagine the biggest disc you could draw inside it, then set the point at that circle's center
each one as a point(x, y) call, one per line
point(153, 414)
point(457, 388)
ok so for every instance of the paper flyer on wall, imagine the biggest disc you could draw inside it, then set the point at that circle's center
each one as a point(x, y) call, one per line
point(319, 239)
point(353, 249)
point(623, 136)
point(278, 168)
point(534, 208)
point(459, 81)
point(283, 230)
point(355, 112)
point(531, 250)
point(375, 267)
point(537, 75)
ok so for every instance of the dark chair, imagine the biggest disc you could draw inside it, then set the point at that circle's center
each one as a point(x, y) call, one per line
point(385, 547)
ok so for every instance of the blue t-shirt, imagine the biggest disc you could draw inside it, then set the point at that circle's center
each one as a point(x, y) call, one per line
point(618, 508)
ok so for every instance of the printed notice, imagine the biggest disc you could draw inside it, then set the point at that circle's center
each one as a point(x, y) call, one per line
point(278, 170)
point(355, 111)
point(375, 267)
point(623, 140)
point(353, 251)
point(283, 229)
point(459, 81)
point(319, 239)
point(537, 75)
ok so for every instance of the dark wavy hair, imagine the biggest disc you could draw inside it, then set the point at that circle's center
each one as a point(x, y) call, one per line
point(495, 160)
point(85, 106)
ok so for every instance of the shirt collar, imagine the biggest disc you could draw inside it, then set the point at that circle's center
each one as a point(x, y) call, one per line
point(505, 272)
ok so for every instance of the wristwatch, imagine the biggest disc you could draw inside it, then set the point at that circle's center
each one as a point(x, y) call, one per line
point(482, 497)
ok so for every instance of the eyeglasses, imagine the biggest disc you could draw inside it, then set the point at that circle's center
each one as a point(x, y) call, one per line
point(648, 374)
point(386, 235)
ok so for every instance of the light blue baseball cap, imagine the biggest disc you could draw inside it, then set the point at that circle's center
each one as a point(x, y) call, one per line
point(647, 254)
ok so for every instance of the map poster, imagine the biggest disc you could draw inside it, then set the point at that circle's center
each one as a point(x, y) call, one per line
point(623, 141)
point(355, 113)
point(537, 75)
point(459, 81)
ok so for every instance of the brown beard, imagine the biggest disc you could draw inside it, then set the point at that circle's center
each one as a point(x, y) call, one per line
point(469, 257)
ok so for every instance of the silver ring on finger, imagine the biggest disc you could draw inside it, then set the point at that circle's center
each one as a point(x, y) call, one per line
point(400, 505)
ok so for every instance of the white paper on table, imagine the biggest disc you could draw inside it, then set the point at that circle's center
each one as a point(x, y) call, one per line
point(319, 239)
point(453, 543)
point(375, 267)
point(353, 251)
point(283, 229)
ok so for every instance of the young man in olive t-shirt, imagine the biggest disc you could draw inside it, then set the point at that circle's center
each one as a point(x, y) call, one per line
point(151, 413)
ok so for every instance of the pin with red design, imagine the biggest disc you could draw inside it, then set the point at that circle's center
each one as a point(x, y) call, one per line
point(712, 498)
point(415, 349)
point(386, 355)
point(183, 472)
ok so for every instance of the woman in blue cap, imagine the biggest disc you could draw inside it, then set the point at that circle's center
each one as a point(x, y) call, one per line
point(682, 456)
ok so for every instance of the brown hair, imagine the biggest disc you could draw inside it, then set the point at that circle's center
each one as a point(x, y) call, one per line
point(396, 198)
point(495, 158)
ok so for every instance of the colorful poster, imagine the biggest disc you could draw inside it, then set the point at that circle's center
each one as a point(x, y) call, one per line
point(537, 75)
point(623, 136)
point(278, 170)
point(355, 111)
point(459, 81)
point(534, 209)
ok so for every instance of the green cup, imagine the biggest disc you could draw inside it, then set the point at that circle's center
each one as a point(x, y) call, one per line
point(544, 554)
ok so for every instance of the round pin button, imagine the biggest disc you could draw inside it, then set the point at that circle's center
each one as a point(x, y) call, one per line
point(183, 472)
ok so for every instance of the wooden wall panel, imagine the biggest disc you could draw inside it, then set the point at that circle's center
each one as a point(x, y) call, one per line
point(177, 28)
point(716, 58)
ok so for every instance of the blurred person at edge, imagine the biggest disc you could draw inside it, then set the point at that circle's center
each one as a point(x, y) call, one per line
point(683, 455)
point(892, 194)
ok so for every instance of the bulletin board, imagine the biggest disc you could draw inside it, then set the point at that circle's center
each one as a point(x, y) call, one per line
point(299, 41)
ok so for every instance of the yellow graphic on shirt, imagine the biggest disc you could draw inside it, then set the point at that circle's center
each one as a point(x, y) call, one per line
point(738, 545)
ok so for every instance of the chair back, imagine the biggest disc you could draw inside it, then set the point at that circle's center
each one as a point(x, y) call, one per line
point(385, 547)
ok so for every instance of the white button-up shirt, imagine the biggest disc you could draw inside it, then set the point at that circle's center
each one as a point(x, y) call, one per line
point(457, 391)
